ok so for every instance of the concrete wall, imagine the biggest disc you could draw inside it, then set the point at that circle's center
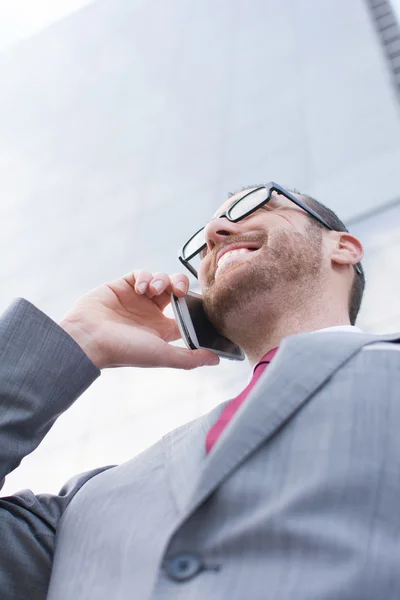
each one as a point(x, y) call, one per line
point(125, 125)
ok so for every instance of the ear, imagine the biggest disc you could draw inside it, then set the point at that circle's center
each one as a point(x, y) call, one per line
point(348, 249)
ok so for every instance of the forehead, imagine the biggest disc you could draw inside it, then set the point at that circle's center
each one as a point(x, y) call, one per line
point(277, 201)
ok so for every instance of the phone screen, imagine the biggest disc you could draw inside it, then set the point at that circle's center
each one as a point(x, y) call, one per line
point(207, 335)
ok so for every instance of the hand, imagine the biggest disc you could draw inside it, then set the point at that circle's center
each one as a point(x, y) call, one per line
point(122, 324)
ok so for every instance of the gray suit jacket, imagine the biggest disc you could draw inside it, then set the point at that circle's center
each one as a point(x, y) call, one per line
point(300, 498)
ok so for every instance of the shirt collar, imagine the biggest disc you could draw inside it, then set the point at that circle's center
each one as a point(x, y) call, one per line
point(271, 353)
point(350, 328)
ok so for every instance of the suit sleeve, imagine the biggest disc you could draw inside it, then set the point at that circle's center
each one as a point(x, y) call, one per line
point(42, 372)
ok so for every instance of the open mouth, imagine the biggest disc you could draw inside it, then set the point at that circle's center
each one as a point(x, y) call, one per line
point(234, 258)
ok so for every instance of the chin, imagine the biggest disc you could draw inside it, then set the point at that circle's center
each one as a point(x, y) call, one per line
point(231, 298)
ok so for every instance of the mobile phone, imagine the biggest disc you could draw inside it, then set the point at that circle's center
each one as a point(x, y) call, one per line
point(197, 331)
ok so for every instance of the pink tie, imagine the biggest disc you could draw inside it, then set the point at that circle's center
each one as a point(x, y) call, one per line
point(231, 408)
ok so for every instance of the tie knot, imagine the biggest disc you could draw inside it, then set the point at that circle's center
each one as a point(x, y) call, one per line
point(262, 362)
point(259, 369)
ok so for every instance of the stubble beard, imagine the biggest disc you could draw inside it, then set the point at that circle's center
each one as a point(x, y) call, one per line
point(283, 273)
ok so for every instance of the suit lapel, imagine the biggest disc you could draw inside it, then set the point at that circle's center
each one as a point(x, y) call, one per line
point(185, 455)
point(302, 365)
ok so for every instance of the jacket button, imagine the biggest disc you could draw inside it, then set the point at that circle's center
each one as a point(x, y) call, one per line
point(184, 566)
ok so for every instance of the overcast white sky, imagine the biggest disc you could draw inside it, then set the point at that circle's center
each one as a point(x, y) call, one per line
point(22, 18)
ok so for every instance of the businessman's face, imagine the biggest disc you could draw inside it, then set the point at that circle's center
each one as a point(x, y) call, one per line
point(257, 261)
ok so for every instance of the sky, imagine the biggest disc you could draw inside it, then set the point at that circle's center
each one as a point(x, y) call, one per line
point(21, 18)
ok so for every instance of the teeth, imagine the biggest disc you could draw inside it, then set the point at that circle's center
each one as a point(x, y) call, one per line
point(232, 253)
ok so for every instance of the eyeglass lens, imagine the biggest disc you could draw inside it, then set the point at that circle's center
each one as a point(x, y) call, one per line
point(236, 212)
point(248, 203)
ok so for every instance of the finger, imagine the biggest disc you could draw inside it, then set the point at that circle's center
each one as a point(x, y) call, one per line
point(163, 300)
point(159, 283)
point(182, 358)
point(172, 332)
point(179, 284)
point(142, 280)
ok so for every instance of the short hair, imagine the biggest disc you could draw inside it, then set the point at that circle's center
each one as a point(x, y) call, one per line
point(358, 285)
point(331, 218)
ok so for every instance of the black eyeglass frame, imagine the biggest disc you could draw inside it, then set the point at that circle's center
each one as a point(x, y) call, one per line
point(270, 187)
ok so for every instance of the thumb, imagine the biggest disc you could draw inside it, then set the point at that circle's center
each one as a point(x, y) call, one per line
point(182, 358)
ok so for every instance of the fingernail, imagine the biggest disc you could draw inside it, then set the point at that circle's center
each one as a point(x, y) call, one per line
point(213, 360)
point(157, 285)
point(181, 286)
point(142, 287)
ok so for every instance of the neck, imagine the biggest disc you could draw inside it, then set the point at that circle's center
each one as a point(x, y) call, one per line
point(267, 330)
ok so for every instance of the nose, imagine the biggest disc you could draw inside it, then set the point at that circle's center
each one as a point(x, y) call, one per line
point(217, 230)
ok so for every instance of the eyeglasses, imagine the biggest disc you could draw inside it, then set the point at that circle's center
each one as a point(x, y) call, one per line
point(242, 208)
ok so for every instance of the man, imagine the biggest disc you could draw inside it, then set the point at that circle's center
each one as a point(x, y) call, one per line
point(289, 491)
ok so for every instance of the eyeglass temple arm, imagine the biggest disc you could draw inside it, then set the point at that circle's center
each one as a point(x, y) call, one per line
point(276, 188)
point(188, 266)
